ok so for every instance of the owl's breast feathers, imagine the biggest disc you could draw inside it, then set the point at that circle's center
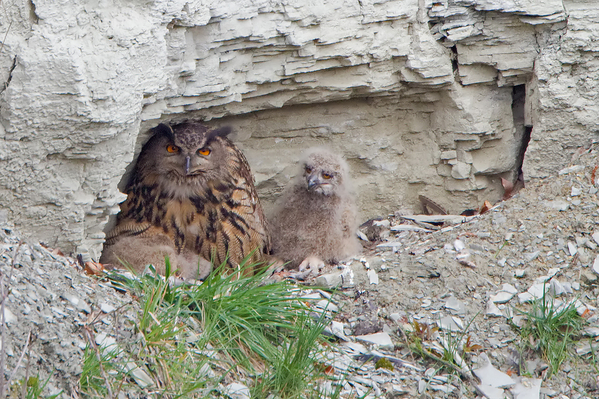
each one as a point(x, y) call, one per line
point(216, 220)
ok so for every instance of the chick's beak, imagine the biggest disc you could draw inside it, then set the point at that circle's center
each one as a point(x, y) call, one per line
point(313, 181)
point(187, 164)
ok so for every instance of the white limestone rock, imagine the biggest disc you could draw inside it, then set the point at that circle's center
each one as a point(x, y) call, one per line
point(82, 84)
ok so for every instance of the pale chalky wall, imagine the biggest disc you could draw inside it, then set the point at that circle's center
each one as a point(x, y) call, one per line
point(417, 94)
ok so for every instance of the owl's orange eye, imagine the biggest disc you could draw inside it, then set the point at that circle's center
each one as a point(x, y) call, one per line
point(204, 151)
point(308, 170)
point(172, 148)
point(327, 176)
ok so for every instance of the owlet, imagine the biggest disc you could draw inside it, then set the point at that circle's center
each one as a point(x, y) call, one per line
point(316, 215)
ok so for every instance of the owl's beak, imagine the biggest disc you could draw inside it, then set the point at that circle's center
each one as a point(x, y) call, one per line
point(187, 164)
point(313, 181)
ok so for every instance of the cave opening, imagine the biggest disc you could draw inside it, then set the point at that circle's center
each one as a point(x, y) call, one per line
point(522, 129)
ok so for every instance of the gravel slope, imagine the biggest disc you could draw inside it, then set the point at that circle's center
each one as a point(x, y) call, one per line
point(548, 230)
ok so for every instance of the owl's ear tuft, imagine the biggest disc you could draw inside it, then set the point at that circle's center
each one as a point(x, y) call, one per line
point(220, 132)
point(163, 130)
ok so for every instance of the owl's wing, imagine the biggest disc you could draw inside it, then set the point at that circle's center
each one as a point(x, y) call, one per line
point(252, 205)
point(236, 226)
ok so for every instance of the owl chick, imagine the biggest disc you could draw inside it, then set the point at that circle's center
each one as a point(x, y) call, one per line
point(191, 196)
point(316, 216)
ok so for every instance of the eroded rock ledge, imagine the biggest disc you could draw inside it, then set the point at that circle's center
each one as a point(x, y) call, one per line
point(432, 97)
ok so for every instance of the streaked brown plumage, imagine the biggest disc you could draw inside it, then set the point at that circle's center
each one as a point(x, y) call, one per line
point(191, 193)
point(316, 215)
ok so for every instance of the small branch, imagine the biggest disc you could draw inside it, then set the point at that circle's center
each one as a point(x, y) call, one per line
point(24, 387)
point(92, 344)
point(20, 359)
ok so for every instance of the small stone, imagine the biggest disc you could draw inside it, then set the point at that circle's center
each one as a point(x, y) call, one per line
point(572, 248)
point(382, 223)
point(396, 317)
point(104, 340)
point(527, 388)
point(525, 297)
point(571, 169)
point(490, 376)
point(592, 331)
point(519, 273)
point(325, 304)
point(501, 297)
point(421, 386)
point(509, 288)
point(237, 391)
point(589, 278)
point(9, 317)
point(493, 310)
point(426, 303)
point(454, 304)
point(559, 205)
point(373, 277)
point(343, 278)
point(450, 323)
point(106, 308)
point(459, 245)
point(596, 265)
point(78, 303)
point(381, 339)
point(337, 328)
point(537, 290)
point(141, 377)
point(355, 347)
point(596, 237)
point(575, 192)
point(491, 392)
point(531, 256)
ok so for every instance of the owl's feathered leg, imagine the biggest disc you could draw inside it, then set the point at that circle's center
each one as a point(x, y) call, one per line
point(138, 252)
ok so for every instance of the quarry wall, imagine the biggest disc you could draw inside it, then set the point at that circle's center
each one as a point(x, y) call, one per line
point(423, 97)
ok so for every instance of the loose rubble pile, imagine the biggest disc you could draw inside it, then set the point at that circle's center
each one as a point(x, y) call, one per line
point(471, 274)
point(51, 309)
point(447, 274)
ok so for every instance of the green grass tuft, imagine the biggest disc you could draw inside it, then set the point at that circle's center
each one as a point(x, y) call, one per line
point(191, 336)
point(552, 330)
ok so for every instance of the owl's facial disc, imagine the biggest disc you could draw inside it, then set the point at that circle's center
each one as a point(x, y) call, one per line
point(200, 162)
point(320, 182)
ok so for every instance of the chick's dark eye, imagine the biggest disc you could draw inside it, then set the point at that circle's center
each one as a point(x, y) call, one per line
point(204, 151)
point(308, 169)
point(172, 148)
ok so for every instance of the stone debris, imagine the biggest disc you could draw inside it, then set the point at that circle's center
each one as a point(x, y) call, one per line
point(381, 340)
point(527, 388)
point(237, 391)
point(523, 252)
point(141, 377)
point(51, 298)
point(373, 276)
point(490, 376)
point(596, 265)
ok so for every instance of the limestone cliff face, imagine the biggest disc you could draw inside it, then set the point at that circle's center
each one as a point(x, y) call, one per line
point(430, 97)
